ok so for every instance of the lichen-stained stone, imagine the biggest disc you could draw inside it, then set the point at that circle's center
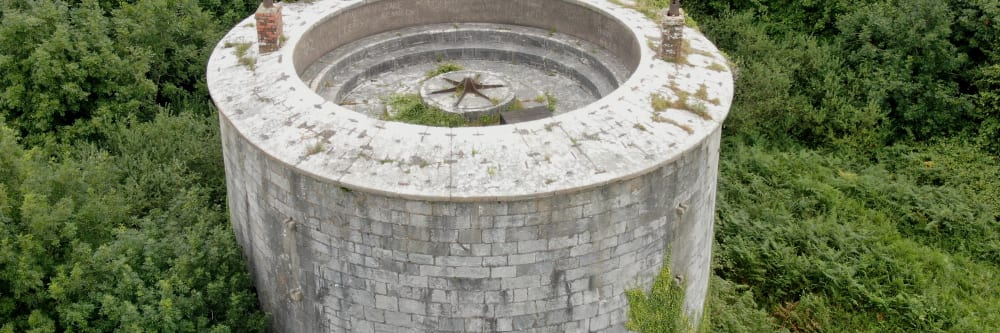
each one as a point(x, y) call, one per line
point(535, 226)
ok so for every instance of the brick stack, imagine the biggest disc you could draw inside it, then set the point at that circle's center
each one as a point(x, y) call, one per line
point(672, 36)
point(269, 27)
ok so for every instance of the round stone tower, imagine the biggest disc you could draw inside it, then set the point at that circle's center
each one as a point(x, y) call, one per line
point(354, 223)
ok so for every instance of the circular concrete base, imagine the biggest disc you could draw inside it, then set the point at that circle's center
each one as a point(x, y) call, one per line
point(438, 92)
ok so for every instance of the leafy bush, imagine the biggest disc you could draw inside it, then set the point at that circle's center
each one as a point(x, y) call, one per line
point(73, 68)
point(794, 88)
point(987, 116)
point(96, 241)
point(905, 62)
point(61, 64)
point(732, 308)
point(112, 211)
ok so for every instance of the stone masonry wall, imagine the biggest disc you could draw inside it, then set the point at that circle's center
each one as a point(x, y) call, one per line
point(332, 259)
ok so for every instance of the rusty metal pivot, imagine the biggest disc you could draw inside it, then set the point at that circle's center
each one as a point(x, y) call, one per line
point(468, 85)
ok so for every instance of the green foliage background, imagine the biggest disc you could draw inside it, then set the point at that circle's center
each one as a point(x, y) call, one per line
point(858, 183)
point(859, 174)
point(112, 193)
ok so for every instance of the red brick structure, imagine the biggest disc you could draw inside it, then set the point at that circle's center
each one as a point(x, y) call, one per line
point(269, 27)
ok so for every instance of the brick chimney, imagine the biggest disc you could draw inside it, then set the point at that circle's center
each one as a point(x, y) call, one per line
point(269, 26)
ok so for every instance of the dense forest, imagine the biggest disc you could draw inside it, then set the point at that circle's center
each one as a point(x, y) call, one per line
point(858, 187)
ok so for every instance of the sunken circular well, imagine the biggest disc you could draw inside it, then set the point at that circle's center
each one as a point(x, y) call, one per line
point(575, 57)
point(371, 18)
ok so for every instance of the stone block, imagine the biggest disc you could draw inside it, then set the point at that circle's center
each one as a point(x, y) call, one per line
point(398, 319)
point(503, 272)
point(532, 246)
point(389, 303)
point(412, 306)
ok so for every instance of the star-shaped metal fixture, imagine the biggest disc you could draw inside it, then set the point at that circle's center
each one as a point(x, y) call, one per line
point(468, 85)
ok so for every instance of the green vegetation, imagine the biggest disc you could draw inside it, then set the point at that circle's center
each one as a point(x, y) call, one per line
point(127, 234)
point(661, 310)
point(859, 172)
point(248, 62)
point(487, 120)
point(700, 110)
point(442, 68)
point(517, 105)
point(112, 196)
point(717, 67)
point(702, 94)
point(659, 103)
point(882, 237)
point(241, 50)
point(410, 108)
point(661, 119)
point(650, 8)
point(550, 101)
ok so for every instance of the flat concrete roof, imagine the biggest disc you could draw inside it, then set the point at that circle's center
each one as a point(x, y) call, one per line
point(617, 137)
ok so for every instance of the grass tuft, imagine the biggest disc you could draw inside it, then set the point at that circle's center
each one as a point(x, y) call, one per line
point(442, 68)
point(661, 119)
point(409, 108)
point(550, 101)
point(717, 67)
point(660, 103)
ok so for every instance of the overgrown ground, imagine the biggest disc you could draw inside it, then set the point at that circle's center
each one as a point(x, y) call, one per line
point(859, 173)
point(858, 183)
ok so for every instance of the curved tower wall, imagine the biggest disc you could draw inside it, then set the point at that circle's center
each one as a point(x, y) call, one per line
point(356, 224)
point(328, 258)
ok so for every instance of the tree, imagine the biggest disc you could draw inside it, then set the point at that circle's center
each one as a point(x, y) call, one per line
point(75, 68)
point(95, 241)
point(988, 103)
point(906, 63)
point(63, 70)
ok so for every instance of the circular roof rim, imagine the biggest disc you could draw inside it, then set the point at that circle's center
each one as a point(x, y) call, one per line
point(233, 107)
